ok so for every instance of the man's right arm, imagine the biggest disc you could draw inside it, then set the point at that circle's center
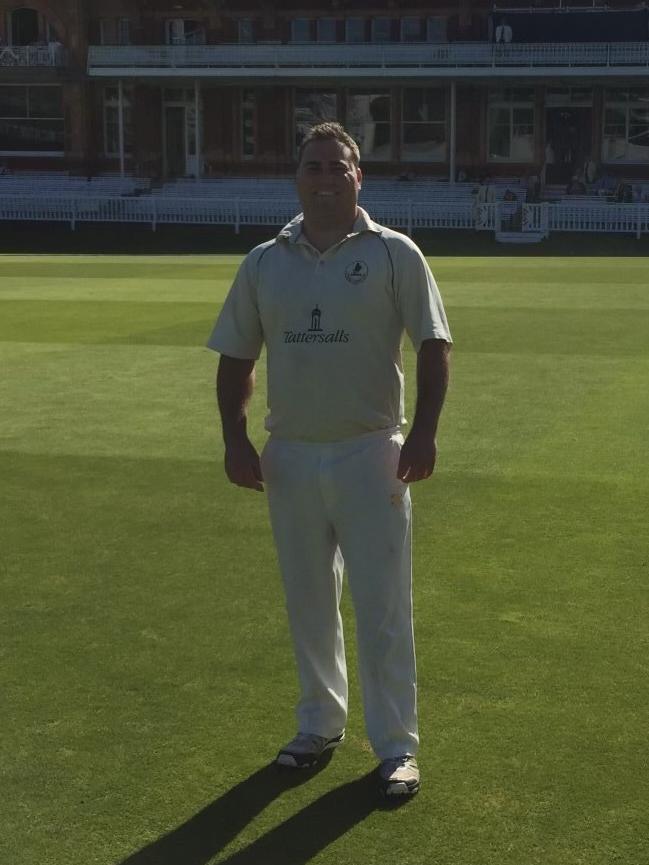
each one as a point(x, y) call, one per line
point(235, 382)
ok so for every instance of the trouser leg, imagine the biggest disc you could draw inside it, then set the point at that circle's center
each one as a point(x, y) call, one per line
point(311, 565)
point(373, 523)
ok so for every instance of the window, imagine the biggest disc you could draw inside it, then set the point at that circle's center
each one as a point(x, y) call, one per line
point(312, 107)
point(111, 121)
point(246, 30)
point(248, 124)
point(24, 28)
point(301, 30)
point(411, 29)
point(114, 31)
point(368, 121)
point(124, 31)
point(626, 126)
point(327, 29)
point(423, 128)
point(184, 31)
point(510, 122)
point(31, 119)
point(436, 30)
point(355, 30)
point(107, 31)
point(381, 29)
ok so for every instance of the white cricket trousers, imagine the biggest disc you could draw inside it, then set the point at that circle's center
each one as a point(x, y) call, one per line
point(334, 505)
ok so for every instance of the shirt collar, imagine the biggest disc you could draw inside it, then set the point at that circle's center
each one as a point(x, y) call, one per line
point(292, 231)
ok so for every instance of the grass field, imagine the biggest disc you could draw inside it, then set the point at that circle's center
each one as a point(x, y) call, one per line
point(146, 674)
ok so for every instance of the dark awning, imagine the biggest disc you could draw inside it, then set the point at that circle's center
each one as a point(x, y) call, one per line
point(568, 26)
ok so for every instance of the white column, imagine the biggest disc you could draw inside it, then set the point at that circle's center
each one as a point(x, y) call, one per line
point(451, 160)
point(120, 114)
point(198, 130)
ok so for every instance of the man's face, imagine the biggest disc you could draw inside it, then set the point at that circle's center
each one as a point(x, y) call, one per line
point(328, 182)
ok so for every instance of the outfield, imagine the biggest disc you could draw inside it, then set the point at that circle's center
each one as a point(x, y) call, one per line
point(146, 673)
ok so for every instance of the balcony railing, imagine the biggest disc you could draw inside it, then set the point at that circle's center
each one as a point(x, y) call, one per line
point(287, 57)
point(53, 54)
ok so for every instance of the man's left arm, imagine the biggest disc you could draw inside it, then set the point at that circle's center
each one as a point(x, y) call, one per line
point(419, 451)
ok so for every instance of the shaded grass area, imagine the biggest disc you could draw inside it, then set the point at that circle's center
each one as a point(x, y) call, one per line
point(136, 239)
point(147, 669)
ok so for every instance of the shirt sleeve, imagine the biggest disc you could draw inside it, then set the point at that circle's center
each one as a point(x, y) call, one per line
point(238, 331)
point(417, 296)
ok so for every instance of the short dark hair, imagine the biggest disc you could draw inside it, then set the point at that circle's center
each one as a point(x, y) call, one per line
point(330, 131)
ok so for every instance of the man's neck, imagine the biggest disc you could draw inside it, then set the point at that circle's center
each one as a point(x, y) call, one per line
point(324, 236)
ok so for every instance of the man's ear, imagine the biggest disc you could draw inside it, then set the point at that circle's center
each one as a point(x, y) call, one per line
point(359, 177)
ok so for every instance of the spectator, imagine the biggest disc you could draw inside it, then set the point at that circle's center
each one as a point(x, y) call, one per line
point(533, 186)
point(54, 49)
point(576, 186)
point(590, 170)
point(486, 193)
point(503, 32)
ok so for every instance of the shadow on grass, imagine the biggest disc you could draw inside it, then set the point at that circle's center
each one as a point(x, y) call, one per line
point(293, 842)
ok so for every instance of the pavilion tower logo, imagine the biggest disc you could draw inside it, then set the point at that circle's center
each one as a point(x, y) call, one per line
point(315, 320)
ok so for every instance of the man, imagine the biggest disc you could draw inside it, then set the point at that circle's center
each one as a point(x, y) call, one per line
point(503, 32)
point(330, 297)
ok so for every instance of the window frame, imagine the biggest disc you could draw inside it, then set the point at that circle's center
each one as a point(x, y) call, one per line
point(626, 104)
point(427, 122)
point(312, 90)
point(429, 27)
point(510, 99)
point(123, 31)
point(302, 21)
point(363, 24)
point(113, 104)
point(374, 24)
point(27, 116)
point(376, 92)
point(106, 28)
point(403, 25)
point(331, 21)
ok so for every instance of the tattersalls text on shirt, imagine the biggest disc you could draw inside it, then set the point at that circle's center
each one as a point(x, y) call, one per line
point(308, 337)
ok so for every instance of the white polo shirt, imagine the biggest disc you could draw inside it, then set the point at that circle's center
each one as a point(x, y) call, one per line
point(332, 323)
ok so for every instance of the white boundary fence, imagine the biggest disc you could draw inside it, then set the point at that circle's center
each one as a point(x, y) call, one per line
point(592, 217)
point(157, 210)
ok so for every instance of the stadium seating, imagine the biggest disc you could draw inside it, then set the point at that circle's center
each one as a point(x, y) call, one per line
point(238, 201)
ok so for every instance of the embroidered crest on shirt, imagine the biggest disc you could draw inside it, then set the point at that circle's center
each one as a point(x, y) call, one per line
point(356, 272)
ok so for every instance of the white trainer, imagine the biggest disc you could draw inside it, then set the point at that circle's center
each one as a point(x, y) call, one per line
point(306, 749)
point(399, 776)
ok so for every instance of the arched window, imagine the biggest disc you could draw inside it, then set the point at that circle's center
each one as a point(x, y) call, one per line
point(24, 27)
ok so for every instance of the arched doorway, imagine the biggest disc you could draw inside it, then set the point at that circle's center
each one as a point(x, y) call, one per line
point(24, 27)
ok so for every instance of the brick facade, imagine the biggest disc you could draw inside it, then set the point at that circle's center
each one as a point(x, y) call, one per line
point(271, 107)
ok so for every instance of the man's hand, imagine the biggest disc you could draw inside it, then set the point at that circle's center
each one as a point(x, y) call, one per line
point(234, 385)
point(418, 455)
point(242, 464)
point(419, 450)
